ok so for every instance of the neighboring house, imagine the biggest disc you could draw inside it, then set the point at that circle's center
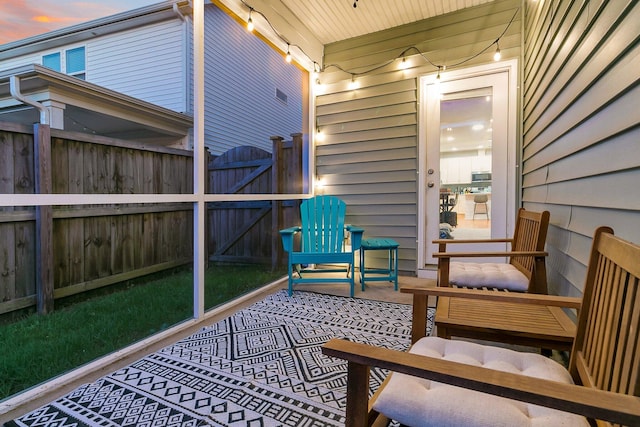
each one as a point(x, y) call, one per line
point(146, 55)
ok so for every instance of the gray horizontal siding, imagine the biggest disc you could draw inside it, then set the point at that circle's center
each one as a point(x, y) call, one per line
point(369, 154)
point(242, 76)
point(581, 156)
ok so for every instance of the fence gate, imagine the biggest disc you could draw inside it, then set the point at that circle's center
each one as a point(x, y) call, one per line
point(246, 231)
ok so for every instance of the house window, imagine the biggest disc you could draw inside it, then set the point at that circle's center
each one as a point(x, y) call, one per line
point(73, 61)
point(52, 61)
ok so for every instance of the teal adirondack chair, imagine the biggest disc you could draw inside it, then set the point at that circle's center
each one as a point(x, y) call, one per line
point(322, 241)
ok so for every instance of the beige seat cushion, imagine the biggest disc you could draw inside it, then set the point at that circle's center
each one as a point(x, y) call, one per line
point(418, 402)
point(489, 274)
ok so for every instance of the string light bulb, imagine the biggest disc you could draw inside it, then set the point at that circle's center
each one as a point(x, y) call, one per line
point(404, 64)
point(250, 25)
point(288, 57)
point(319, 184)
point(316, 74)
point(438, 76)
point(497, 55)
point(353, 84)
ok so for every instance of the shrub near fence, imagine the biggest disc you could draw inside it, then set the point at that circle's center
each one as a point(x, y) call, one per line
point(92, 246)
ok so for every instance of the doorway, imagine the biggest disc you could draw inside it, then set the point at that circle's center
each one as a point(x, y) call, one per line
point(467, 145)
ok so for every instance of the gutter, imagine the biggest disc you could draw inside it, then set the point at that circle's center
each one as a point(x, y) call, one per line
point(14, 87)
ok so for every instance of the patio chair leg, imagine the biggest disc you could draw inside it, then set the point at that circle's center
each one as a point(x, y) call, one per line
point(290, 279)
point(352, 284)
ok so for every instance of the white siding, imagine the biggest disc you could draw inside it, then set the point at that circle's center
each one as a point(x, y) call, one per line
point(25, 60)
point(369, 155)
point(147, 63)
point(242, 76)
point(581, 149)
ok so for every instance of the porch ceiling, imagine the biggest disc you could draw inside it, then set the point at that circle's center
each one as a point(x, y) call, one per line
point(335, 20)
point(311, 24)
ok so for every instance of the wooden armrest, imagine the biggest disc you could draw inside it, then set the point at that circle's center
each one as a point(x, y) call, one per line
point(489, 254)
point(447, 241)
point(592, 403)
point(479, 294)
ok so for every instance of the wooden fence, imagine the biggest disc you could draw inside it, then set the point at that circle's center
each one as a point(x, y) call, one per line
point(90, 246)
point(248, 231)
point(93, 246)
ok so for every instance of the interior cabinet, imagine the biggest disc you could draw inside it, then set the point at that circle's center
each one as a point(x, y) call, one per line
point(481, 163)
point(457, 169)
point(449, 171)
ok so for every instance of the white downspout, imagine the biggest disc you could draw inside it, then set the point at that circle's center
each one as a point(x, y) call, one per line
point(14, 87)
point(182, 4)
point(176, 10)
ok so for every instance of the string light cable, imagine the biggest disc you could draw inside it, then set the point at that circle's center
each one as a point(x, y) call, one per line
point(276, 32)
point(403, 53)
point(439, 67)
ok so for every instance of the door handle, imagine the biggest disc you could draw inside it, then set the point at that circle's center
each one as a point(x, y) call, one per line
point(430, 184)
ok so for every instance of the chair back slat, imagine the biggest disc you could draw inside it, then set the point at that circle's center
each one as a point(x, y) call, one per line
point(322, 220)
point(530, 234)
point(606, 351)
point(626, 369)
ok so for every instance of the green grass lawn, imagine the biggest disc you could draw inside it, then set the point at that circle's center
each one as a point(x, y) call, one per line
point(37, 348)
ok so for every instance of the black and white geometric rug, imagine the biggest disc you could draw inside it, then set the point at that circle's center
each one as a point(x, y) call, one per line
point(260, 367)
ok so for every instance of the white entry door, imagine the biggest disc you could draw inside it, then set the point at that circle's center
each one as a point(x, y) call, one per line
point(467, 142)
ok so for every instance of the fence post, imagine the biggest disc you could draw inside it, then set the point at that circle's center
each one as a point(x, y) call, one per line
point(207, 190)
point(44, 219)
point(276, 205)
point(295, 169)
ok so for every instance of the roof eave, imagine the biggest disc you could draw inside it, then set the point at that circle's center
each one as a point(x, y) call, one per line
point(91, 29)
point(121, 105)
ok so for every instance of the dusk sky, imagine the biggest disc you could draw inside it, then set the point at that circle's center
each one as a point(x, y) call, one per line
point(24, 18)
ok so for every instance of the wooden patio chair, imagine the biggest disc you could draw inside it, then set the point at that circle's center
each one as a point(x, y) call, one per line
point(443, 382)
point(525, 270)
point(322, 241)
